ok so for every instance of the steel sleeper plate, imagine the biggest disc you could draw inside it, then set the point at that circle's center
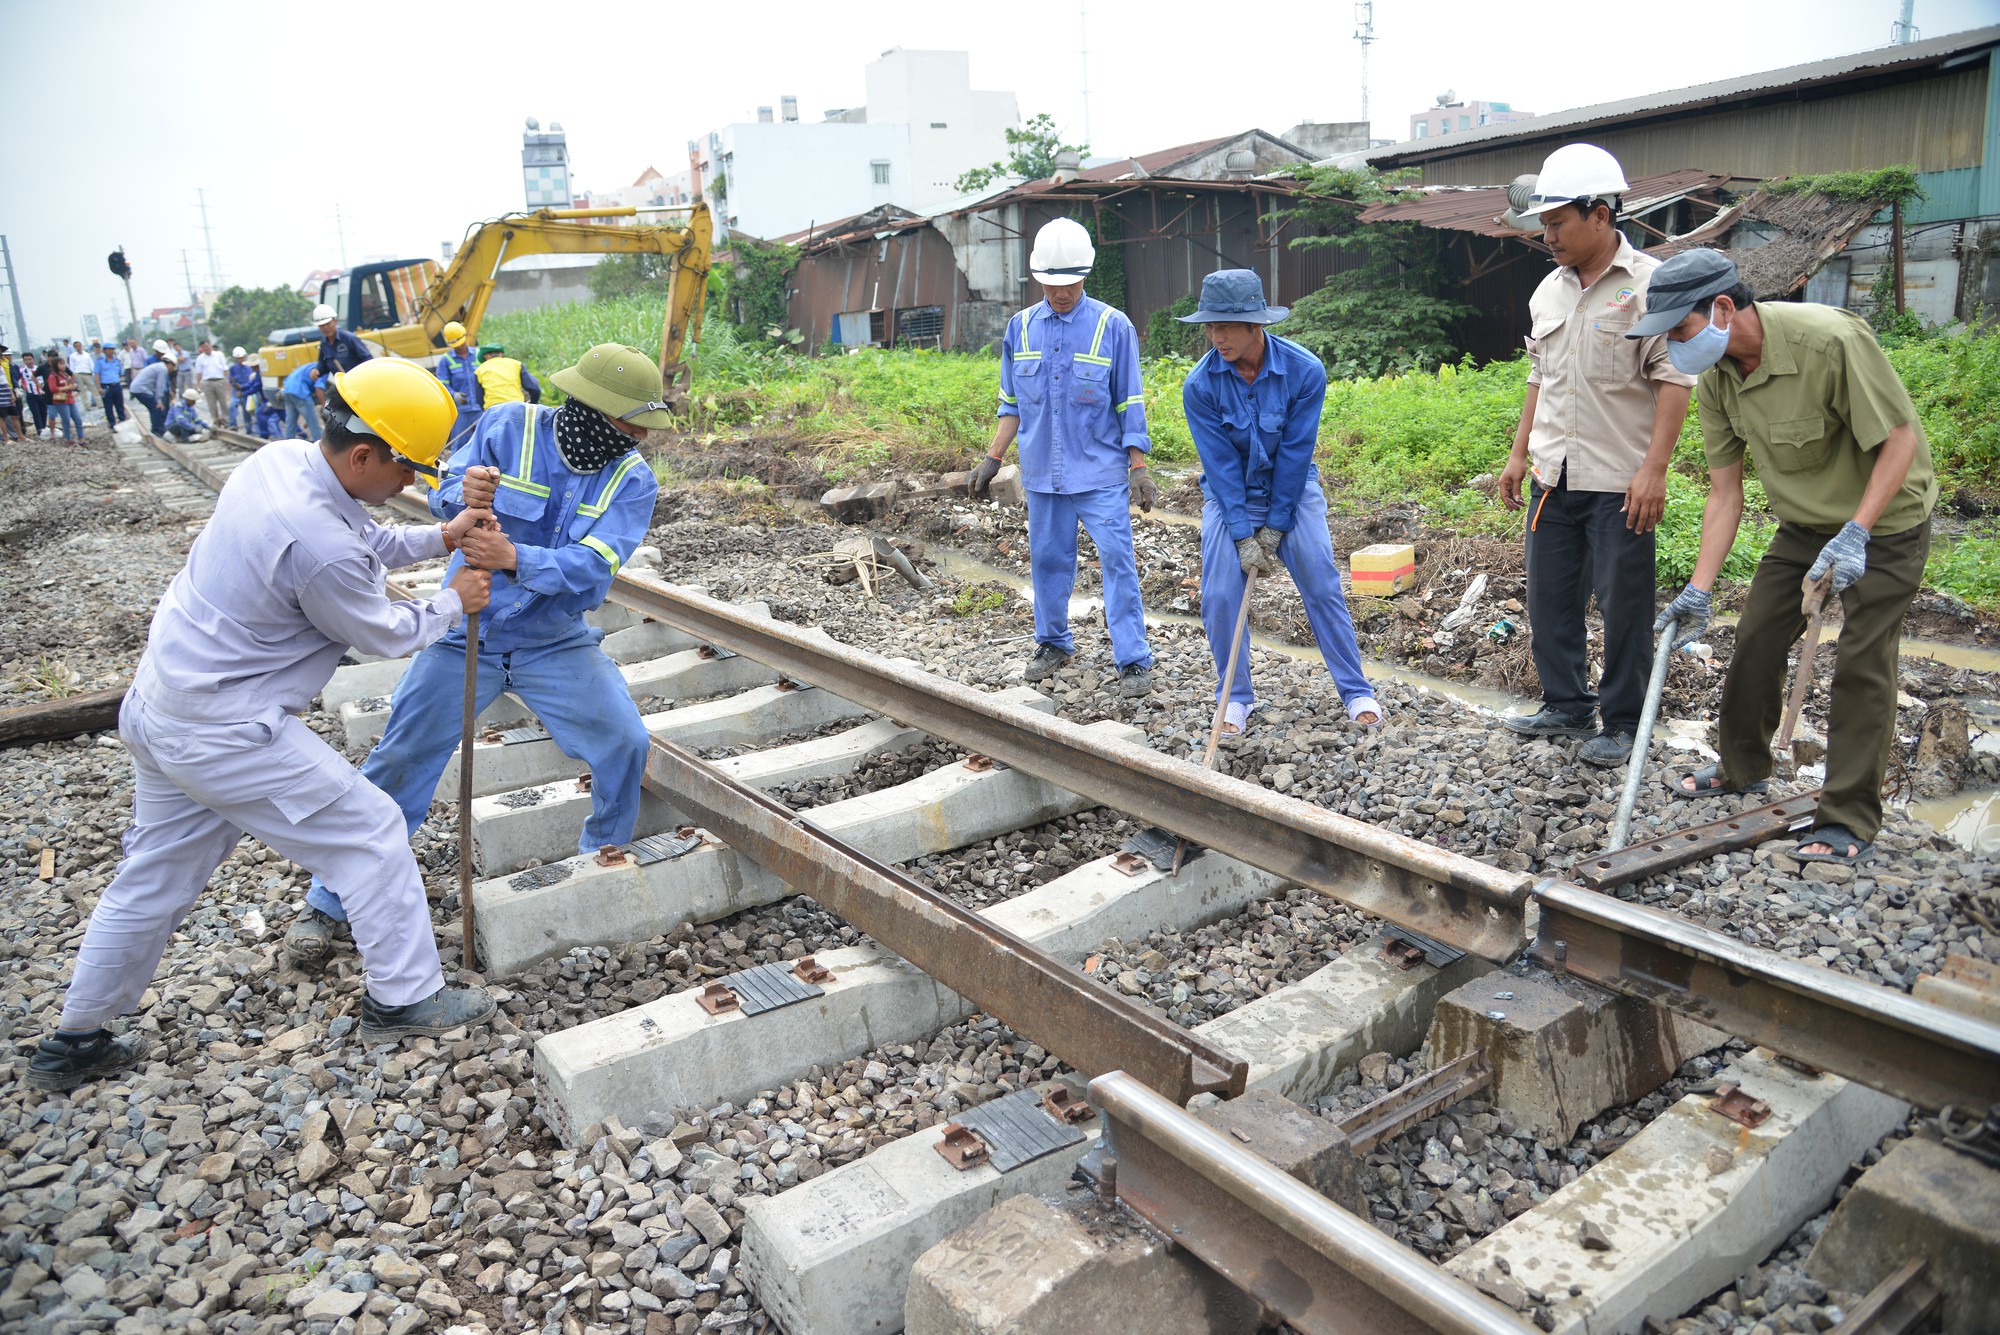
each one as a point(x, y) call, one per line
point(1017, 1130)
point(662, 847)
point(511, 736)
point(768, 987)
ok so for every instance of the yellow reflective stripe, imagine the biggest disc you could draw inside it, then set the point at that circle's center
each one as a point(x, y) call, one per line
point(1098, 342)
point(603, 550)
point(1135, 401)
point(522, 479)
point(1024, 350)
point(603, 501)
point(1008, 398)
point(1094, 361)
point(516, 484)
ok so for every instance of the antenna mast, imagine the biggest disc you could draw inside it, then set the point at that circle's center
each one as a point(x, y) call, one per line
point(1083, 36)
point(1902, 32)
point(1364, 33)
point(208, 239)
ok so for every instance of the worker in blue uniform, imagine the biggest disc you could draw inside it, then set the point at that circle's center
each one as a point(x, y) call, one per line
point(339, 349)
point(459, 369)
point(246, 386)
point(573, 499)
point(1253, 405)
point(1070, 394)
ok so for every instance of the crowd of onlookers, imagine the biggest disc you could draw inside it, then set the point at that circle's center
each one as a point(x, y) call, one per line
point(46, 392)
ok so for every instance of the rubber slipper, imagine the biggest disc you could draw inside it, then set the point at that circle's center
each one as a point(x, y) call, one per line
point(1364, 704)
point(1834, 837)
point(1708, 784)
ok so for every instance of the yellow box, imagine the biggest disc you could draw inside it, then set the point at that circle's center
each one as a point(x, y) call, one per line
point(1383, 569)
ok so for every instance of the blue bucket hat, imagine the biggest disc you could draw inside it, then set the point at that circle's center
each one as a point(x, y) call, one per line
point(1234, 296)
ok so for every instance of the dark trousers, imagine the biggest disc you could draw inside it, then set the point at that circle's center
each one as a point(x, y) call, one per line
point(1861, 726)
point(114, 405)
point(1577, 545)
point(38, 404)
point(154, 410)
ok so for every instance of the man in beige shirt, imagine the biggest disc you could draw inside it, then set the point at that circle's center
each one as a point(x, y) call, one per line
point(1597, 432)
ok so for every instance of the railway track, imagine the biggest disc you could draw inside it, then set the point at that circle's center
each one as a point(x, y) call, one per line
point(715, 843)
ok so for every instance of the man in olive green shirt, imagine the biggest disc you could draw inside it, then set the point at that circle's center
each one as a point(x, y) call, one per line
point(1845, 467)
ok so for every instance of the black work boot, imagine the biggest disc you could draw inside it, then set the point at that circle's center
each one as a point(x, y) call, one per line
point(446, 1009)
point(1048, 661)
point(1548, 723)
point(1134, 680)
point(64, 1061)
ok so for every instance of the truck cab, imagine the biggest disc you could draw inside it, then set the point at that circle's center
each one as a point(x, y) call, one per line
point(377, 302)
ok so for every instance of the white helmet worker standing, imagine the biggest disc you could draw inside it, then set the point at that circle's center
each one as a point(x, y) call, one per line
point(1591, 453)
point(1070, 394)
point(1063, 254)
point(1573, 174)
point(323, 314)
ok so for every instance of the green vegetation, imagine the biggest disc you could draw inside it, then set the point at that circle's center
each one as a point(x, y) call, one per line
point(244, 317)
point(1885, 188)
point(1396, 310)
point(1031, 155)
point(1413, 436)
point(977, 600)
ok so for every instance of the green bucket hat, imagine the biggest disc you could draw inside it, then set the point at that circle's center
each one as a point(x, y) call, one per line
point(619, 382)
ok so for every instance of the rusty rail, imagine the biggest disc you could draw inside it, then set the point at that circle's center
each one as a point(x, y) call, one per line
point(1324, 1270)
point(1400, 1109)
point(1883, 1038)
point(1088, 1025)
point(1677, 848)
point(1477, 908)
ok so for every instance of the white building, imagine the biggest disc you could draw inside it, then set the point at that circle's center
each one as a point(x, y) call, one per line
point(923, 126)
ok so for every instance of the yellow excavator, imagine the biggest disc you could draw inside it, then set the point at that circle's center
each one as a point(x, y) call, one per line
point(402, 306)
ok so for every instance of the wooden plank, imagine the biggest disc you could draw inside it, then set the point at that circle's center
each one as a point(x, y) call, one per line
point(47, 720)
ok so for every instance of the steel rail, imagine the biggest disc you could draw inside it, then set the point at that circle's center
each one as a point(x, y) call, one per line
point(1086, 1024)
point(1324, 1270)
point(1881, 1037)
point(180, 454)
point(1477, 908)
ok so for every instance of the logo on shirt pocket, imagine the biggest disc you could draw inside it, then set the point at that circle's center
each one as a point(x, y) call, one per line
point(1089, 384)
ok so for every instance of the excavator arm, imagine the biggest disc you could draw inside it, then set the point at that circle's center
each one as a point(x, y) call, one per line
point(465, 287)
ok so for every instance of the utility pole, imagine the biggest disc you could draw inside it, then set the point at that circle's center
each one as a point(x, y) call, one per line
point(1902, 32)
point(1083, 36)
point(1364, 33)
point(14, 291)
point(208, 238)
point(340, 233)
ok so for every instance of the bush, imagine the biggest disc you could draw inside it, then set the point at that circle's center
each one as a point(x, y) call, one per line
point(1968, 568)
point(1954, 379)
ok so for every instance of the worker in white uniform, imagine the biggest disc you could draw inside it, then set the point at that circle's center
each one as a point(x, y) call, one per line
point(288, 574)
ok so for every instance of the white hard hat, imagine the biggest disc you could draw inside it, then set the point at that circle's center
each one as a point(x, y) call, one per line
point(1573, 172)
point(322, 313)
point(191, 395)
point(1063, 253)
point(238, 351)
point(160, 346)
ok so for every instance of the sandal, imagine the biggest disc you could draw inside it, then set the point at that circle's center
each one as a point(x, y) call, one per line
point(1235, 719)
point(1364, 704)
point(1708, 783)
point(1833, 836)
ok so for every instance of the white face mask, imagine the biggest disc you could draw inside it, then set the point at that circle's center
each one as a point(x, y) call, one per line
point(1704, 350)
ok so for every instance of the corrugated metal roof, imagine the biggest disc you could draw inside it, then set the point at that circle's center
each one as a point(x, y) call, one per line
point(1477, 209)
point(1797, 234)
point(1879, 60)
point(884, 218)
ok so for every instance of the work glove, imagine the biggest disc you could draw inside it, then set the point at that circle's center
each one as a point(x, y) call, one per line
point(1268, 538)
point(983, 474)
point(1250, 554)
point(1845, 554)
point(1144, 490)
point(1690, 611)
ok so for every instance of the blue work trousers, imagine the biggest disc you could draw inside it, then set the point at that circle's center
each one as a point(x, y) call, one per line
point(1307, 552)
point(301, 418)
point(461, 431)
point(572, 687)
point(1052, 522)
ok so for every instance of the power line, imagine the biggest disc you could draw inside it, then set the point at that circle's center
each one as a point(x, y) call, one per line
point(208, 237)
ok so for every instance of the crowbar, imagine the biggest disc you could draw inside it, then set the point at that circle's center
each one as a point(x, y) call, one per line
point(465, 954)
point(1222, 699)
point(1621, 825)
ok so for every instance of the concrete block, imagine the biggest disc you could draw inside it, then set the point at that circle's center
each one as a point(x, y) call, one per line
point(750, 718)
point(364, 727)
point(1689, 1203)
point(860, 503)
point(592, 904)
point(832, 1256)
point(1028, 1267)
point(1300, 1038)
point(656, 639)
point(1922, 1199)
point(1562, 1051)
point(1006, 487)
point(670, 1053)
point(541, 824)
point(1296, 1141)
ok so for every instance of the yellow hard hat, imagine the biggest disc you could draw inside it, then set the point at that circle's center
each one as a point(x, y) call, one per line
point(402, 405)
point(454, 334)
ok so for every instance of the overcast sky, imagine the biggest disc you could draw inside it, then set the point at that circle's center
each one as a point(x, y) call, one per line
point(409, 117)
